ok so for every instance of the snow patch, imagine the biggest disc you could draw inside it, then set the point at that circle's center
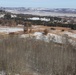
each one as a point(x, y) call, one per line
point(10, 29)
point(53, 37)
point(70, 34)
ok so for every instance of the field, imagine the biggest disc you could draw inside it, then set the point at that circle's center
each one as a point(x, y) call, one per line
point(38, 31)
point(31, 57)
point(34, 53)
point(44, 13)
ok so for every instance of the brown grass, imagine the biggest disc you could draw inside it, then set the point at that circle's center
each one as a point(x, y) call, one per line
point(28, 56)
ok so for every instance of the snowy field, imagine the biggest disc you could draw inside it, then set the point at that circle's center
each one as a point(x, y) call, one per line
point(40, 36)
point(56, 38)
point(43, 13)
point(10, 29)
point(73, 35)
point(52, 37)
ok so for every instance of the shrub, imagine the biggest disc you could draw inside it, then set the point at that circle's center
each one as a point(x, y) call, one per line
point(53, 29)
point(62, 30)
point(45, 32)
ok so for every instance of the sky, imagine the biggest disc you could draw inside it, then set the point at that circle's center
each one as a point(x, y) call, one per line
point(39, 3)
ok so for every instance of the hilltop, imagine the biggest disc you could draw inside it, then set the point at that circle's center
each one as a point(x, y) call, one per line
point(41, 11)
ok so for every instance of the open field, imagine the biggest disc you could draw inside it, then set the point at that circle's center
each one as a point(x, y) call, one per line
point(52, 30)
point(54, 34)
point(36, 53)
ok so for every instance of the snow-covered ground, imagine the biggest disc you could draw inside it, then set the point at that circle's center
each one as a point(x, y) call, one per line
point(10, 29)
point(37, 18)
point(48, 37)
point(2, 15)
point(73, 35)
point(40, 36)
point(42, 13)
point(54, 37)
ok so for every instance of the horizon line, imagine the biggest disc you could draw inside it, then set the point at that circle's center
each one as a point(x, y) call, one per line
point(36, 7)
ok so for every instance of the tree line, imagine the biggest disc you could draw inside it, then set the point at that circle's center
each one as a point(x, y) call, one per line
point(21, 18)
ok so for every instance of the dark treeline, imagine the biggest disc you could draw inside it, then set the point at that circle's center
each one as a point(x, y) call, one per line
point(21, 19)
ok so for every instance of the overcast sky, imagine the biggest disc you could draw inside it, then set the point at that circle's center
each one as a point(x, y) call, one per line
point(39, 3)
